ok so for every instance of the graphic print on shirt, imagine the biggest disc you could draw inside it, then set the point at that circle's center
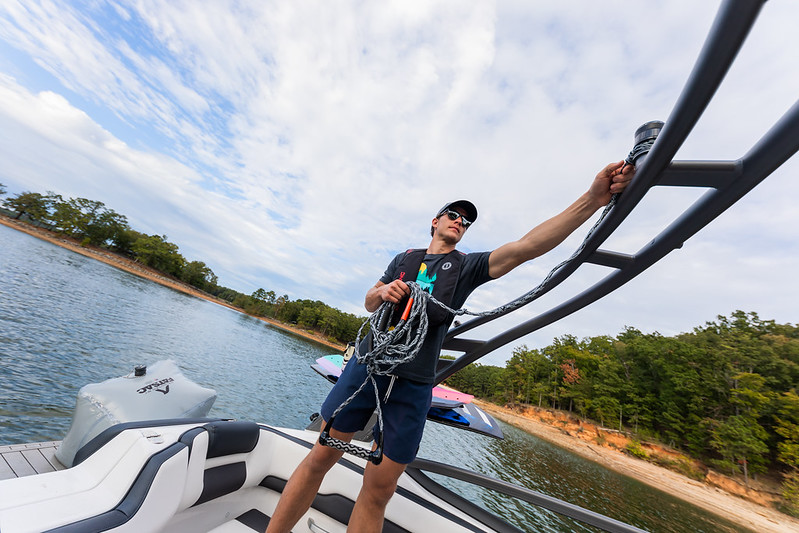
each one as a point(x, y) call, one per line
point(425, 282)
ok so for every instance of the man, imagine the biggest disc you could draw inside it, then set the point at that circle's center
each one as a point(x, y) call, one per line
point(450, 276)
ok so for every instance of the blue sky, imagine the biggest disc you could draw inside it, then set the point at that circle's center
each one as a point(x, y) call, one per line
point(297, 146)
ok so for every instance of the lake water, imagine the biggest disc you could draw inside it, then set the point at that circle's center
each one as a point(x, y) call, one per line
point(67, 320)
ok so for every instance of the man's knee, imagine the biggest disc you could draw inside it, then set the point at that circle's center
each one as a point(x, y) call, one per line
point(379, 493)
point(380, 482)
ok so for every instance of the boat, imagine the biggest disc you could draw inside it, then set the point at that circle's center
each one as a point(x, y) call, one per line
point(201, 474)
point(204, 474)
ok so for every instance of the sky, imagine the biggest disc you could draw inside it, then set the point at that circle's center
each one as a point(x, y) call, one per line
point(298, 146)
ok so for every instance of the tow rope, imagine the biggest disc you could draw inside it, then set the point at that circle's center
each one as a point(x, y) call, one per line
point(394, 346)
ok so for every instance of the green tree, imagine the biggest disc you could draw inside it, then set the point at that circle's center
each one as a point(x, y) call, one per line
point(156, 252)
point(327, 321)
point(790, 491)
point(88, 213)
point(610, 390)
point(32, 204)
point(347, 326)
point(787, 420)
point(308, 316)
point(527, 373)
point(562, 350)
point(123, 239)
point(747, 394)
point(198, 274)
point(257, 304)
point(90, 221)
point(280, 303)
point(66, 216)
point(105, 228)
point(741, 441)
point(289, 311)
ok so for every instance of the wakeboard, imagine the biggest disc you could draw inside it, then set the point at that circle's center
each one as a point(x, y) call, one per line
point(448, 406)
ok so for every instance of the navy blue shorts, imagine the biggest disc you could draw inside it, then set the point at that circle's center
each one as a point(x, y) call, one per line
point(404, 414)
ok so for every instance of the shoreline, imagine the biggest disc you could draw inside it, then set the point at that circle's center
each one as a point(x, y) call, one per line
point(760, 518)
point(122, 263)
point(755, 516)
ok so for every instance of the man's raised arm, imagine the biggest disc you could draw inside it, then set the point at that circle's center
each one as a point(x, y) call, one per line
point(611, 180)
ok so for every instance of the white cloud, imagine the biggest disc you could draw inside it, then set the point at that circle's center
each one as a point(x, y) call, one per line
point(297, 146)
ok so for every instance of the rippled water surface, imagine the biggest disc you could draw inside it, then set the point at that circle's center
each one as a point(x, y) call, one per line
point(67, 320)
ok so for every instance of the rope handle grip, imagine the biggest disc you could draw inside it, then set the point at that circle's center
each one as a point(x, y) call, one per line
point(386, 316)
point(407, 310)
point(374, 456)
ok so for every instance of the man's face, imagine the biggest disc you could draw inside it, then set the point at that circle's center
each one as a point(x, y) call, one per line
point(449, 230)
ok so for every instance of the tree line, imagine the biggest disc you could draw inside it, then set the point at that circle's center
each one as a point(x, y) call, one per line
point(91, 223)
point(725, 393)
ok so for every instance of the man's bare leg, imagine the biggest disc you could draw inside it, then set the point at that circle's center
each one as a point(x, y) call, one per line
point(303, 485)
point(379, 483)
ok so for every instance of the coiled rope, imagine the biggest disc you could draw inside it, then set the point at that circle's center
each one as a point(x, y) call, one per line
point(394, 346)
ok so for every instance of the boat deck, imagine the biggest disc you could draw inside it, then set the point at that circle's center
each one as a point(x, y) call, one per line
point(18, 460)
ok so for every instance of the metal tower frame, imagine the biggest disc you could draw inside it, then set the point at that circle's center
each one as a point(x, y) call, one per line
point(728, 182)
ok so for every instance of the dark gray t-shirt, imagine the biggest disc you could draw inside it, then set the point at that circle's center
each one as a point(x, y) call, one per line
point(473, 273)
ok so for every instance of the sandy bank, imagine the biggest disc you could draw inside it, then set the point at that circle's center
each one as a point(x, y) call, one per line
point(759, 518)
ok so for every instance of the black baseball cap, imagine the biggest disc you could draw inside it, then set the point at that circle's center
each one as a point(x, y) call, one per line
point(466, 205)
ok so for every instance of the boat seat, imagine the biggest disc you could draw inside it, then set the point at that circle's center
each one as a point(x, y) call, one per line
point(125, 484)
point(218, 460)
point(128, 482)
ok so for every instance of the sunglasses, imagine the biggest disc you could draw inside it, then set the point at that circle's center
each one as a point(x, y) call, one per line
point(454, 215)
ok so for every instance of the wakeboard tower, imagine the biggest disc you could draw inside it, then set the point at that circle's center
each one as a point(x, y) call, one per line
point(225, 476)
point(726, 182)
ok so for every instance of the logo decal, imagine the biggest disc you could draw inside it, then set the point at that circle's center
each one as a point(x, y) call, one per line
point(156, 386)
point(424, 280)
point(446, 266)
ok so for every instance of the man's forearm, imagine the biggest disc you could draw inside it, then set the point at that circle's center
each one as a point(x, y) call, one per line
point(554, 231)
point(373, 300)
point(541, 238)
